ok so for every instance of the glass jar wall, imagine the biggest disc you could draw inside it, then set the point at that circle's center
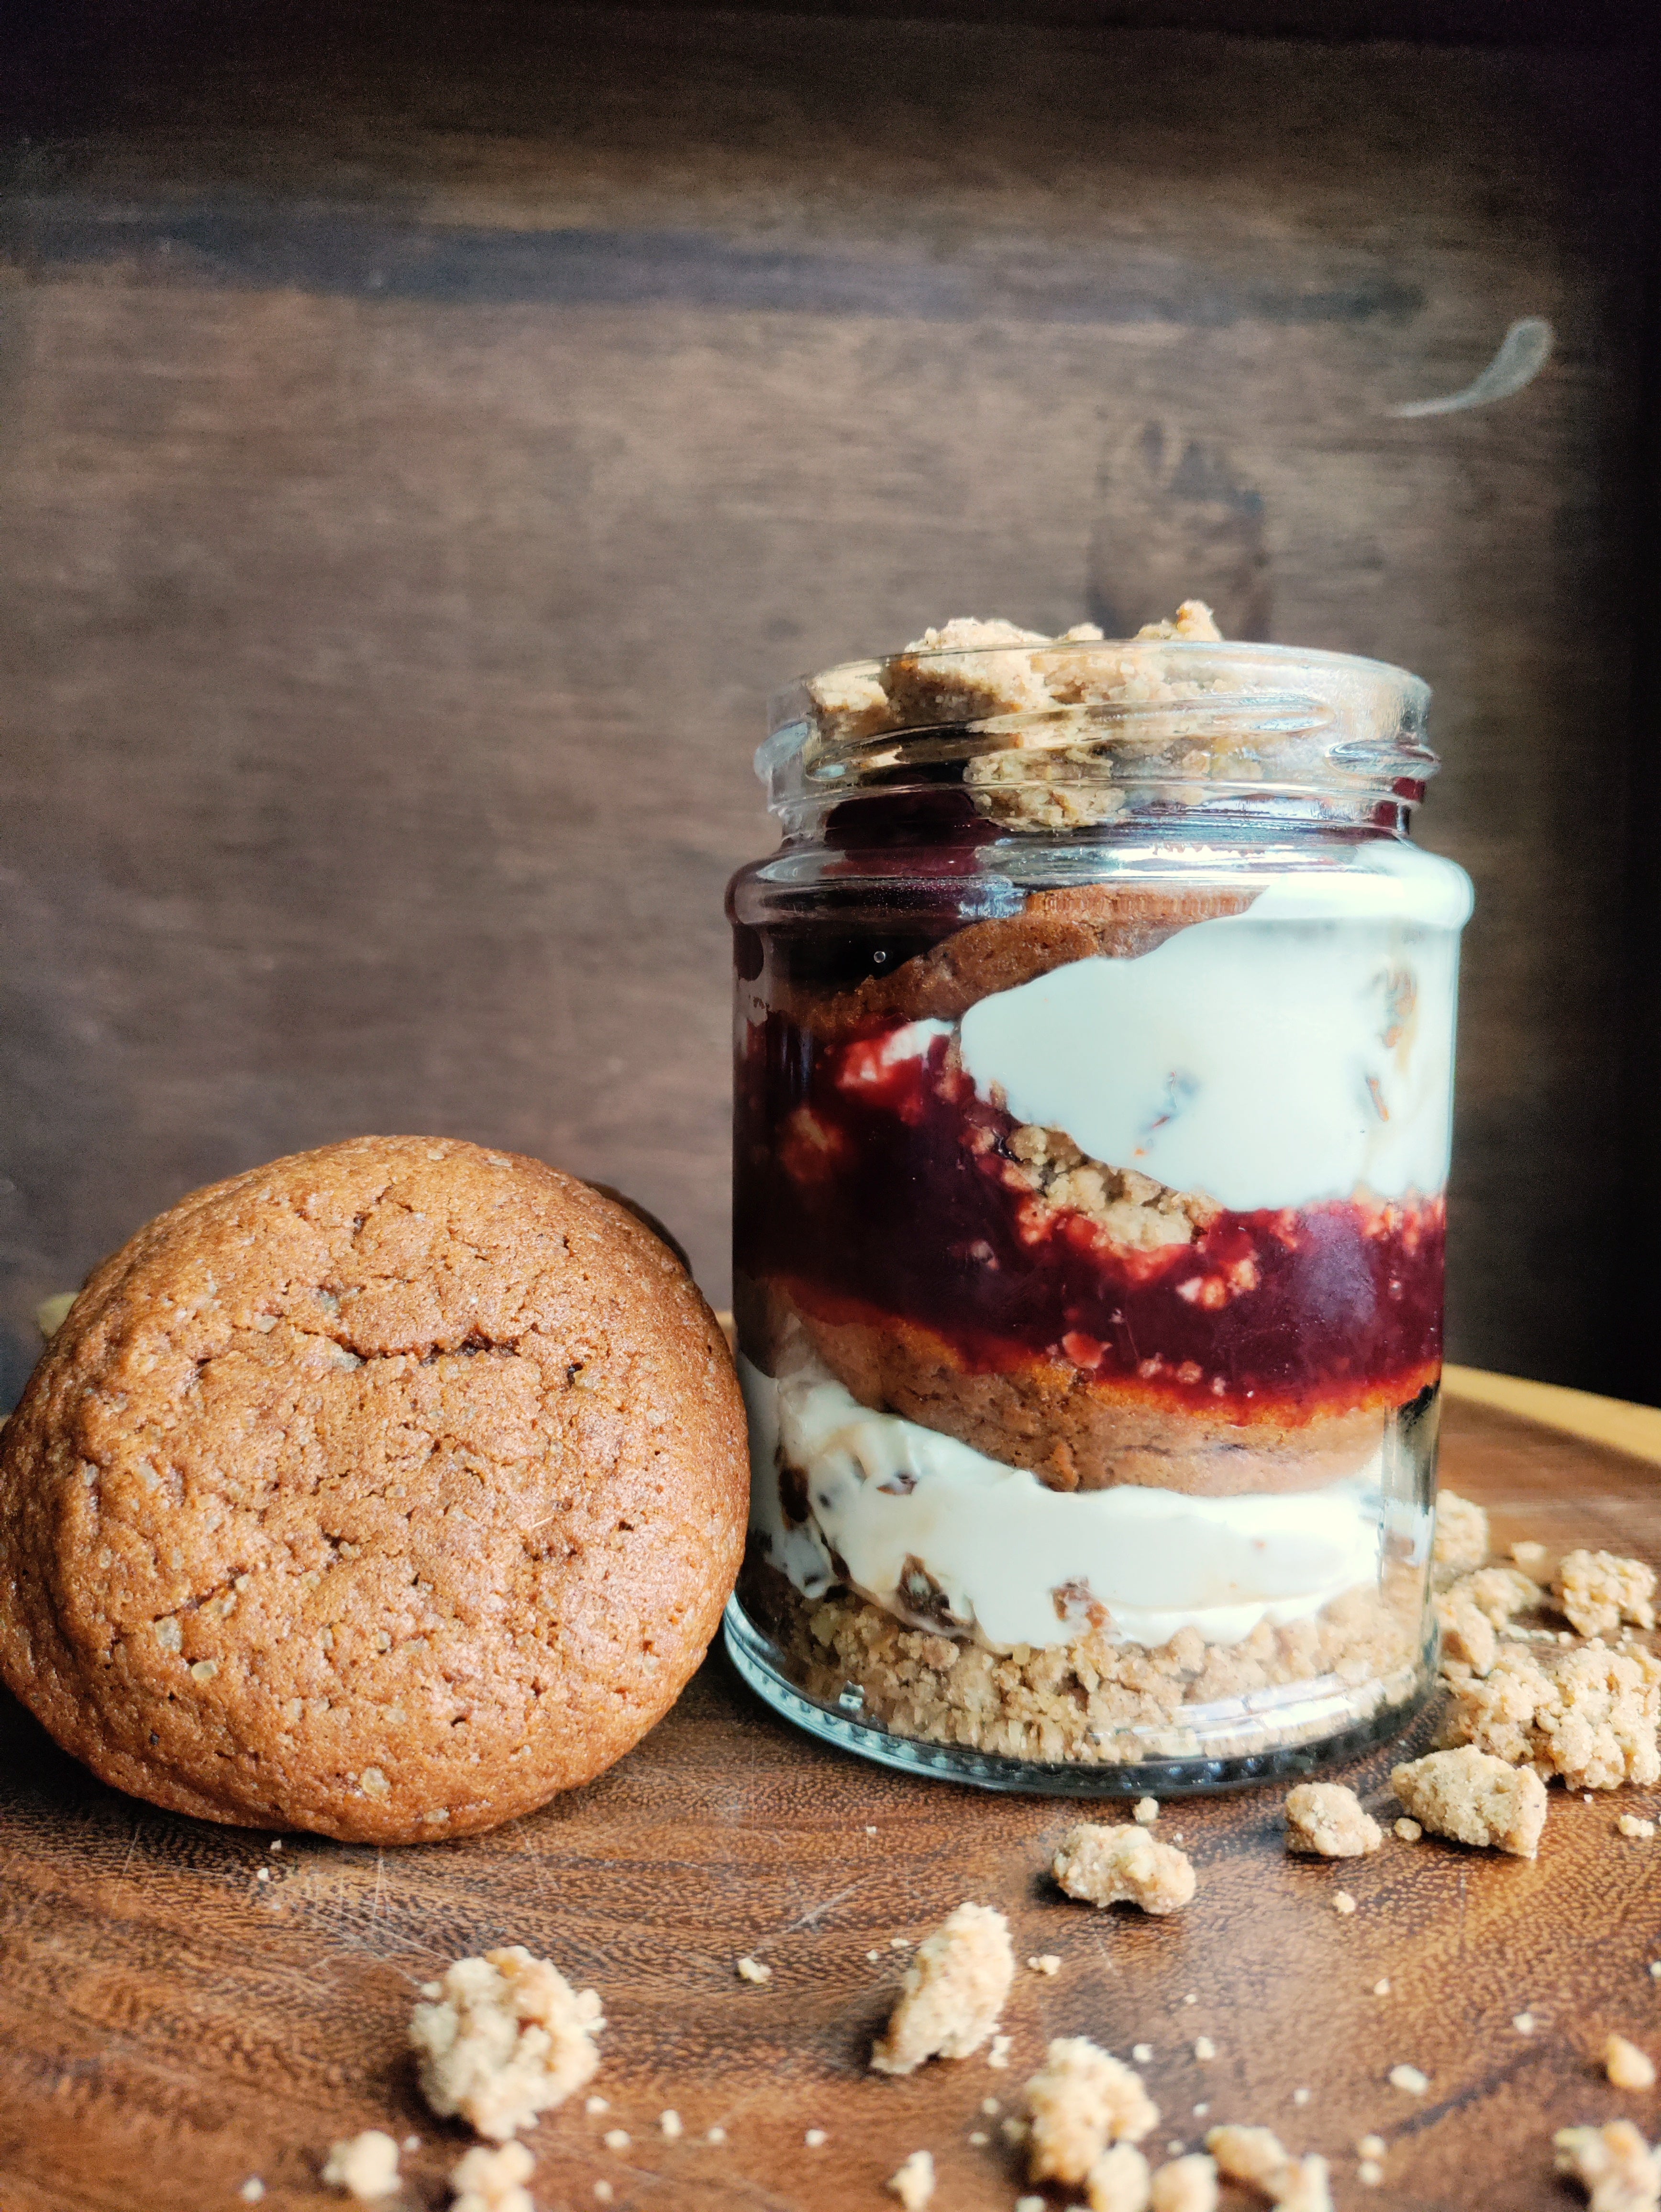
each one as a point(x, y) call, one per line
point(1094, 1051)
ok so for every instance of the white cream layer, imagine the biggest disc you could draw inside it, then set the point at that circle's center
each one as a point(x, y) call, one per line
point(1296, 1052)
point(882, 1491)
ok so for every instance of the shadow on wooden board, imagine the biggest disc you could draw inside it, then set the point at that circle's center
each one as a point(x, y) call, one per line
point(427, 437)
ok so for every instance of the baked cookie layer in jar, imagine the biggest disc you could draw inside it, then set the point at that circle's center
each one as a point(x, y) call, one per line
point(1093, 1072)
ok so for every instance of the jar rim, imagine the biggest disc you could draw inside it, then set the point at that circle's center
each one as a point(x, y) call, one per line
point(1046, 725)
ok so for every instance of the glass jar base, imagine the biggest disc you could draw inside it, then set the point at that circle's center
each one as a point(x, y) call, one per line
point(1299, 1730)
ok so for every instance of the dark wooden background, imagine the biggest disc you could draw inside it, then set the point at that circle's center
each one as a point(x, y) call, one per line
point(428, 432)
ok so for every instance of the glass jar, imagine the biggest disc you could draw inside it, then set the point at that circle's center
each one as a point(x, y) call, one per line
point(1094, 1043)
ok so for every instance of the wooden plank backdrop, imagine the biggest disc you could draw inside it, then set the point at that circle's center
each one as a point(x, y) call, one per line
point(425, 438)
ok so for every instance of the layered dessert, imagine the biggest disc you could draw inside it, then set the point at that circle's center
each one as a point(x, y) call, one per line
point(1089, 1251)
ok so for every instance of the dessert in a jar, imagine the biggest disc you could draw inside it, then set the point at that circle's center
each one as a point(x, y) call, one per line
point(1094, 1044)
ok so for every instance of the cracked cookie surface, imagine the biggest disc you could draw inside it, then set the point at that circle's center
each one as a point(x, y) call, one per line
point(384, 1491)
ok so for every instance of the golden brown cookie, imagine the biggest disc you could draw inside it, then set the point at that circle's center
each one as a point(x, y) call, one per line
point(385, 1491)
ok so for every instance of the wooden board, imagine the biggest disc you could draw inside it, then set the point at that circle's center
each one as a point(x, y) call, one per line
point(171, 2025)
point(428, 430)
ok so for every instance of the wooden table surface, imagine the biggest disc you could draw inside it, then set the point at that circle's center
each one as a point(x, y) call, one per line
point(172, 2025)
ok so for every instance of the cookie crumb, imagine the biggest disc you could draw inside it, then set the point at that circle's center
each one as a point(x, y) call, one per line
point(870, 1832)
point(507, 2038)
point(1369, 2174)
point(1204, 2048)
point(953, 1991)
point(1372, 2147)
point(1328, 1820)
point(1302, 2096)
point(999, 2054)
point(913, 2184)
point(979, 2138)
point(1255, 2157)
point(671, 2124)
point(1590, 1716)
point(363, 2166)
point(596, 2105)
point(1475, 1798)
point(1119, 2181)
point(603, 2191)
point(1625, 2065)
point(1185, 2184)
point(1048, 1963)
point(1142, 2053)
point(716, 2135)
point(492, 2180)
point(1103, 1865)
point(1523, 2022)
point(1408, 1831)
point(1529, 1556)
point(1145, 1812)
point(1629, 1824)
point(616, 2138)
point(1613, 2164)
point(1462, 1533)
point(1597, 1590)
point(990, 2107)
point(751, 1970)
point(1080, 2100)
point(1381, 1987)
point(1409, 2080)
point(1343, 1904)
point(251, 2189)
point(1031, 2205)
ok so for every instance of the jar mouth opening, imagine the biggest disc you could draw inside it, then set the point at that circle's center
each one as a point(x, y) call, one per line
point(1059, 734)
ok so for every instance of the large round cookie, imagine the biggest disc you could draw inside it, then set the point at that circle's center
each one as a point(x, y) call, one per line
point(385, 1492)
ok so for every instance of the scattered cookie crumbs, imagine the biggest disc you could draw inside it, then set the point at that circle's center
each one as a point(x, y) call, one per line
point(1523, 2022)
point(1118, 2182)
point(1047, 1963)
point(1145, 1812)
point(1615, 2167)
point(1142, 2053)
point(953, 1991)
point(1204, 2048)
point(998, 2056)
point(671, 2124)
point(252, 2190)
point(492, 2180)
point(506, 2038)
point(913, 2184)
point(1381, 1987)
point(1080, 2100)
point(596, 2105)
point(1475, 1798)
point(1257, 2158)
point(1461, 1542)
point(716, 2135)
point(1328, 1820)
point(1122, 1865)
point(1629, 1824)
point(1597, 1591)
point(364, 2166)
point(1592, 1715)
point(1409, 2080)
point(1408, 1831)
point(1625, 2065)
point(616, 2138)
point(751, 1970)
point(1185, 2184)
point(1343, 1904)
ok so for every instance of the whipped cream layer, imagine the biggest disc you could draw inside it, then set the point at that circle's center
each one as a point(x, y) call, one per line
point(1299, 1051)
point(940, 1534)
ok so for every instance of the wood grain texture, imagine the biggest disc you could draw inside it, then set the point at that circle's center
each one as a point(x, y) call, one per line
point(170, 2025)
point(426, 442)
